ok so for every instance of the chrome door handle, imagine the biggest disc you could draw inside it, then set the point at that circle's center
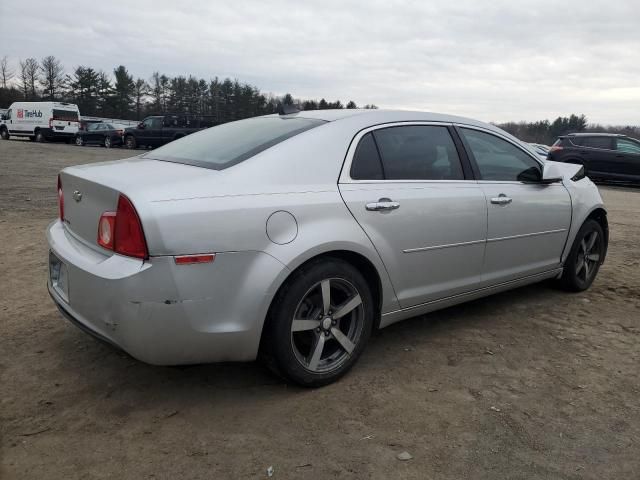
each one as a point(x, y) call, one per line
point(382, 205)
point(501, 199)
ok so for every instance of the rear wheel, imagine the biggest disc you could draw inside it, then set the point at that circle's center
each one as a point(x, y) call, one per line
point(585, 257)
point(130, 142)
point(39, 136)
point(320, 322)
point(107, 142)
point(4, 133)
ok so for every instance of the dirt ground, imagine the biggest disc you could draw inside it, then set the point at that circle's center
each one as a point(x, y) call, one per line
point(532, 383)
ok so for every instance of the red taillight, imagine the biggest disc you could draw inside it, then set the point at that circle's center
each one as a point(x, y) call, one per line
point(121, 231)
point(555, 148)
point(120, 132)
point(60, 200)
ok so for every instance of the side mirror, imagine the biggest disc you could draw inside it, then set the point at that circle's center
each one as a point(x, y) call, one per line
point(550, 174)
point(3, 117)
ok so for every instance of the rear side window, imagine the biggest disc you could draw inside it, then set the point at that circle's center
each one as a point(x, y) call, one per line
point(231, 143)
point(418, 152)
point(500, 160)
point(596, 142)
point(366, 163)
point(66, 115)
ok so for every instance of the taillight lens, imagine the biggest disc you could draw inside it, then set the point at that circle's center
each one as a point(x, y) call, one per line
point(555, 148)
point(60, 200)
point(106, 229)
point(121, 231)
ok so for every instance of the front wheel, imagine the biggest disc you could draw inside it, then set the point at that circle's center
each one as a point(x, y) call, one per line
point(585, 258)
point(320, 322)
point(4, 133)
point(107, 142)
point(79, 141)
point(130, 142)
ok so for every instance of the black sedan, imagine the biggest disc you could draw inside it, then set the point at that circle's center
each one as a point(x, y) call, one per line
point(105, 134)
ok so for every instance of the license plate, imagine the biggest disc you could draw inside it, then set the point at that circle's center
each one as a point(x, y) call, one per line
point(59, 277)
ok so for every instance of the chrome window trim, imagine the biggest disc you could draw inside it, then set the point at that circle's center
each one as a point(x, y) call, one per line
point(345, 174)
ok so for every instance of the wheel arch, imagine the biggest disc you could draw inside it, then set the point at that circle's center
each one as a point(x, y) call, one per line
point(369, 271)
point(599, 214)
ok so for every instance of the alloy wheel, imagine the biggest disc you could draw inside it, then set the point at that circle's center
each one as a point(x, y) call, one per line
point(79, 141)
point(107, 142)
point(327, 325)
point(588, 256)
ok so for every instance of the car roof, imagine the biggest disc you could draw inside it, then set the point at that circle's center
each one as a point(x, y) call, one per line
point(586, 134)
point(377, 116)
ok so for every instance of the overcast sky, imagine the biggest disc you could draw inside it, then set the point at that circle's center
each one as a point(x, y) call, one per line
point(492, 60)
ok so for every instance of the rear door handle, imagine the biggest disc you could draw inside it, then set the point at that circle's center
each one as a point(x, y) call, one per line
point(383, 204)
point(501, 199)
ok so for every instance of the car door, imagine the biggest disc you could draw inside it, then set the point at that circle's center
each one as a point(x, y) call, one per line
point(598, 155)
point(409, 188)
point(627, 162)
point(527, 221)
point(144, 133)
point(89, 135)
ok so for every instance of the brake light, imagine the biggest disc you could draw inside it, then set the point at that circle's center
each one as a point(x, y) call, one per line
point(121, 231)
point(555, 148)
point(120, 132)
point(60, 200)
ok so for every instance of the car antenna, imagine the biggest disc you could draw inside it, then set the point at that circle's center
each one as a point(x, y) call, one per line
point(284, 109)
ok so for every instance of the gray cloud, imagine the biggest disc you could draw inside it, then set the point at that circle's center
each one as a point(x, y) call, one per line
point(496, 61)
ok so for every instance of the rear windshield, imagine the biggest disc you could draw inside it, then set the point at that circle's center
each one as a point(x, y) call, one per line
point(226, 145)
point(68, 115)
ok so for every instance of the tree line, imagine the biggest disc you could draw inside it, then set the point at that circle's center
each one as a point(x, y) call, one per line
point(547, 132)
point(123, 96)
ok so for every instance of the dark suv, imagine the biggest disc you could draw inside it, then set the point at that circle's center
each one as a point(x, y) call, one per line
point(157, 130)
point(605, 156)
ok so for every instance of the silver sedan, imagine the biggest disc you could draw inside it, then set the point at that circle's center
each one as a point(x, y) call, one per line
point(292, 237)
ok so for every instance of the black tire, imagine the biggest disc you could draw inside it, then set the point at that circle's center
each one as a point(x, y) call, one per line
point(79, 141)
point(38, 137)
point(344, 337)
point(4, 133)
point(584, 260)
point(130, 142)
point(107, 142)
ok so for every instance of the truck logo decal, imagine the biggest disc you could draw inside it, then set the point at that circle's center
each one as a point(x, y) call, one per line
point(29, 113)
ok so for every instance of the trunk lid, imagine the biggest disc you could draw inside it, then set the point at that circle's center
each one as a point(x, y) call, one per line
point(90, 190)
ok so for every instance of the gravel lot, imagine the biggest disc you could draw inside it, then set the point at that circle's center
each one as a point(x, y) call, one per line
point(533, 383)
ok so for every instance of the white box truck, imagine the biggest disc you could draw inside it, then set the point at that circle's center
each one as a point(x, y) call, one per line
point(41, 121)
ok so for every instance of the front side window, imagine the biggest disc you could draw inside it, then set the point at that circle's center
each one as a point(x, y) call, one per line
point(231, 143)
point(92, 127)
point(628, 146)
point(418, 152)
point(499, 160)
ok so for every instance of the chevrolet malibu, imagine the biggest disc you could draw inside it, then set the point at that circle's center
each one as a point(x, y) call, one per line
point(292, 237)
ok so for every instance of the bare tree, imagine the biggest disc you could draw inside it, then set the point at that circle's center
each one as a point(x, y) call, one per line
point(6, 74)
point(29, 70)
point(52, 77)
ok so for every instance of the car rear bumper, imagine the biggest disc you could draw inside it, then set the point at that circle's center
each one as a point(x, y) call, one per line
point(163, 313)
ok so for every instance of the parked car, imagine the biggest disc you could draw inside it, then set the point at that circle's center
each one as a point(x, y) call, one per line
point(41, 121)
point(605, 156)
point(159, 130)
point(294, 236)
point(105, 134)
point(541, 150)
